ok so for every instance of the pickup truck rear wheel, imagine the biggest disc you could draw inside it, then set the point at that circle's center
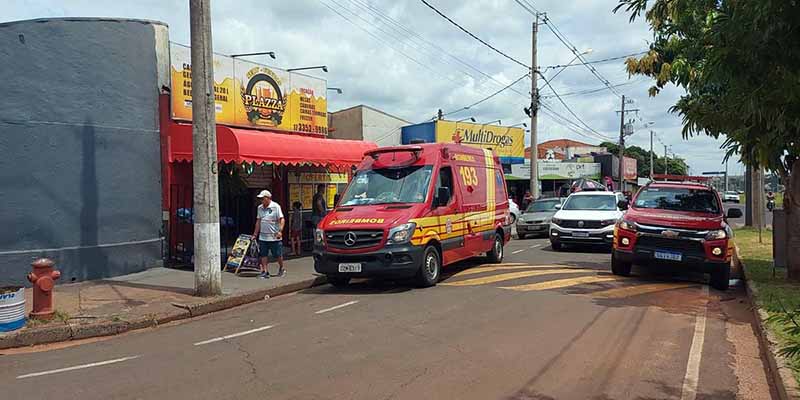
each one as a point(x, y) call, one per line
point(618, 267)
point(720, 278)
point(430, 270)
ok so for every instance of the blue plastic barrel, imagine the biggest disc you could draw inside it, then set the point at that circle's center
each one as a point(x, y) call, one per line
point(12, 308)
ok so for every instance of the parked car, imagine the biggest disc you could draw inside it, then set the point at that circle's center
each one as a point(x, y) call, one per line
point(586, 218)
point(676, 223)
point(535, 220)
point(730, 196)
point(411, 210)
point(513, 209)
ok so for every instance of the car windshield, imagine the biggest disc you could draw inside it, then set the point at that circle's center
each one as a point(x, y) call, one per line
point(591, 202)
point(543, 205)
point(382, 186)
point(678, 199)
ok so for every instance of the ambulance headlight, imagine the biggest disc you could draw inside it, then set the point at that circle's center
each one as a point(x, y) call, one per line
point(319, 236)
point(402, 233)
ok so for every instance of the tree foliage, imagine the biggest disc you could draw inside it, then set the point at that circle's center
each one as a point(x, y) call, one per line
point(739, 62)
point(642, 156)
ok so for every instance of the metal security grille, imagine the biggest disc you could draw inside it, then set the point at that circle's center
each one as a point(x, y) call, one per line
point(574, 224)
point(363, 238)
point(682, 245)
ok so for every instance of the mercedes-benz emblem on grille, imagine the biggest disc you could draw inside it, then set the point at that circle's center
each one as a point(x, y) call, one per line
point(670, 234)
point(350, 238)
point(580, 224)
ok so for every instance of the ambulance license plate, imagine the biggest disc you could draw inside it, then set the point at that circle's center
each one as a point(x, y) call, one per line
point(350, 267)
point(668, 255)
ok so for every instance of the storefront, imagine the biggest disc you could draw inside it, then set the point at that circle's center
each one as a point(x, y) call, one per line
point(553, 175)
point(271, 134)
point(506, 141)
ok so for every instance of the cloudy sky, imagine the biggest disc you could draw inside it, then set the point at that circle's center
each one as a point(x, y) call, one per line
point(403, 58)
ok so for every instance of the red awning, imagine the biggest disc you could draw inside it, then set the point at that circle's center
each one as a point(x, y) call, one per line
point(250, 145)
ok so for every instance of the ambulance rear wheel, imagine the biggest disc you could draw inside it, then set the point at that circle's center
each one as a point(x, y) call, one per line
point(496, 253)
point(430, 270)
point(338, 281)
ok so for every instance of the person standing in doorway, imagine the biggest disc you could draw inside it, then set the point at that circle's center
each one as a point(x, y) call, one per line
point(269, 233)
point(296, 226)
point(318, 207)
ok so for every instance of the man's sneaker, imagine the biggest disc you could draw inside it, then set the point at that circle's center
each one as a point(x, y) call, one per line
point(281, 272)
point(264, 275)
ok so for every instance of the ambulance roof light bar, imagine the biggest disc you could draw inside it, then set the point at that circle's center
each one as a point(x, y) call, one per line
point(374, 153)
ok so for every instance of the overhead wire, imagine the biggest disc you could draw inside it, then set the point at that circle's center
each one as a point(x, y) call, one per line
point(474, 36)
point(547, 82)
point(593, 61)
point(487, 97)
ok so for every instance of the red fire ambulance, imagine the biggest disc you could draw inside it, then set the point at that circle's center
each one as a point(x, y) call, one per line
point(409, 210)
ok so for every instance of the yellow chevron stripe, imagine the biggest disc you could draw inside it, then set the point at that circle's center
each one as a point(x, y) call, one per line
point(510, 276)
point(562, 283)
point(492, 268)
point(629, 291)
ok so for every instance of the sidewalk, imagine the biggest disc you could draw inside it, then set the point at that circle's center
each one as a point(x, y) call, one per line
point(149, 298)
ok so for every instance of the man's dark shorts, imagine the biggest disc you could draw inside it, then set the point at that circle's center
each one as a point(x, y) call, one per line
point(267, 248)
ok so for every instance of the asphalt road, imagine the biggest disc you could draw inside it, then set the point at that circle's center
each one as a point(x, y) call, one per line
point(739, 222)
point(542, 325)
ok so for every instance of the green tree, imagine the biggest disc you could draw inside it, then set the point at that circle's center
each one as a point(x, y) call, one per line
point(676, 165)
point(738, 63)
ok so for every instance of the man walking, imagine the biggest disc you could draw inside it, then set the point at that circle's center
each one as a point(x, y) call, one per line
point(318, 207)
point(269, 232)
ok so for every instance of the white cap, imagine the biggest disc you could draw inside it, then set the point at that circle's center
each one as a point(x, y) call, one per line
point(264, 193)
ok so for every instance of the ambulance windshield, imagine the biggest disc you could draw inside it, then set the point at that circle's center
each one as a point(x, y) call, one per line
point(382, 186)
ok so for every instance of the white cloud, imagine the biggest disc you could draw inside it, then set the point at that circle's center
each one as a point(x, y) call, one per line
point(370, 68)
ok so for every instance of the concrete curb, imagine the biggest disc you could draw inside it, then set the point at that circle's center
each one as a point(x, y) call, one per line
point(780, 374)
point(67, 332)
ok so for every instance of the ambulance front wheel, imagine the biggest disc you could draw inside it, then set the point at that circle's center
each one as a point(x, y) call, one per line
point(430, 270)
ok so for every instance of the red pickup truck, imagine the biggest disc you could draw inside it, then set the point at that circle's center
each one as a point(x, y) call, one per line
point(676, 220)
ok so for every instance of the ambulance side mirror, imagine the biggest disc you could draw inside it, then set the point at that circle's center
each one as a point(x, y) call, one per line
point(442, 196)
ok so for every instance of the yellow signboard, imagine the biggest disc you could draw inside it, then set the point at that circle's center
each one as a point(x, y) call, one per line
point(295, 194)
point(318, 177)
point(506, 142)
point(253, 95)
point(308, 196)
point(330, 195)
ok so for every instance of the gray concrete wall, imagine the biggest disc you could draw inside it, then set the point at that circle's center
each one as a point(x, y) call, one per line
point(346, 124)
point(382, 128)
point(80, 167)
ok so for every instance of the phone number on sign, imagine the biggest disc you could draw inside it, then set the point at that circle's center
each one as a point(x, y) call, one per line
point(310, 128)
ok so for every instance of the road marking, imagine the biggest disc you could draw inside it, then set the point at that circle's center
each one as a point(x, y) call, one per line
point(96, 364)
point(517, 251)
point(535, 246)
point(511, 275)
point(691, 380)
point(479, 270)
point(349, 303)
point(561, 283)
point(636, 290)
point(233, 335)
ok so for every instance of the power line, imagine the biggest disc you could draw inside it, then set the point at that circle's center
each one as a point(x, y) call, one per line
point(564, 121)
point(602, 89)
point(561, 37)
point(404, 31)
point(594, 61)
point(547, 82)
point(473, 36)
point(527, 6)
point(487, 97)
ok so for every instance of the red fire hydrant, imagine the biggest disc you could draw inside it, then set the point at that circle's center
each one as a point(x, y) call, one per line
point(43, 279)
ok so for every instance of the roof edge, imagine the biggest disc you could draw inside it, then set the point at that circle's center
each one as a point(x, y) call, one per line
point(83, 19)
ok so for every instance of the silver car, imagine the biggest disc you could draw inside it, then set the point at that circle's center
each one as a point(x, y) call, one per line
point(535, 220)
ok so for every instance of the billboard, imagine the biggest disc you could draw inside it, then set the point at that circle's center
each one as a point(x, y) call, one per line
point(508, 143)
point(549, 171)
point(249, 94)
point(630, 170)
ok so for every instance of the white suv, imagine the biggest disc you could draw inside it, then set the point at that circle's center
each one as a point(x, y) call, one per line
point(586, 218)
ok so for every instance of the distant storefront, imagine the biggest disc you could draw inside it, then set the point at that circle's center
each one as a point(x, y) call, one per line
point(552, 175)
point(507, 142)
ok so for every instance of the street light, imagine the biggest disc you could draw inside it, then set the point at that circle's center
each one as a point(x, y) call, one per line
point(336, 89)
point(322, 67)
point(491, 122)
point(589, 50)
point(521, 123)
point(260, 53)
point(468, 118)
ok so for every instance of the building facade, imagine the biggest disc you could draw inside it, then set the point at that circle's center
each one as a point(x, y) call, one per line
point(363, 122)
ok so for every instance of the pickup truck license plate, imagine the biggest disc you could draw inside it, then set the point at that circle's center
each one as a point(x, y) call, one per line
point(350, 267)
point(580, 234)
point(668, 255)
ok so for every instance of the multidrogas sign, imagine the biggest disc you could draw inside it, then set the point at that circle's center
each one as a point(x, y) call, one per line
point(483, 137)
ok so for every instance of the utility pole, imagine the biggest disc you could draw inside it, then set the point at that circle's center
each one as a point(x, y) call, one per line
point(622, 146)
point(666, 161)
point(207, 274)
point(726, 175)
point(534, 111)
point(651, 154)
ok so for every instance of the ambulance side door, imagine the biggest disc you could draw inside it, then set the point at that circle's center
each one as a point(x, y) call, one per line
point(472, 178)
point(450, 231)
